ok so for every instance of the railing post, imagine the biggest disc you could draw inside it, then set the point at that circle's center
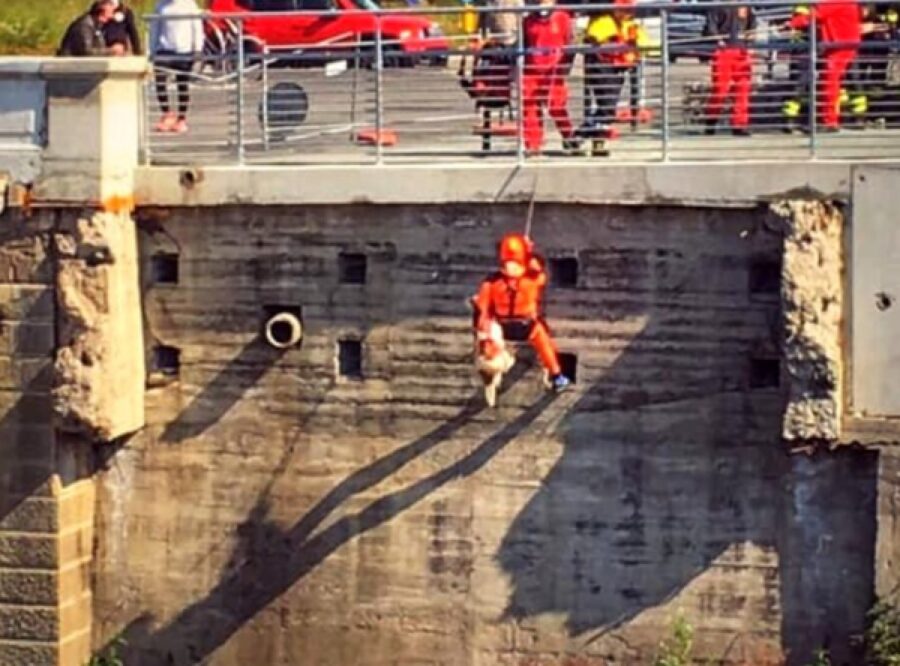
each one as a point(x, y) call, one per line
point(240, 92)
point(664, 93)
point(813, 84)
point(265, 98)
point(379, 93)
point(520, 78)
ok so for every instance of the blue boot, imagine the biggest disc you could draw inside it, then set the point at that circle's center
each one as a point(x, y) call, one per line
point(561, 383)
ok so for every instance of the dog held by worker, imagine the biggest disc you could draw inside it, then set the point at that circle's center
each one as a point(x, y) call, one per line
point(493, 359)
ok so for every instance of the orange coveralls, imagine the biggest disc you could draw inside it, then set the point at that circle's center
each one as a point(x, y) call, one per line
point(515, 303)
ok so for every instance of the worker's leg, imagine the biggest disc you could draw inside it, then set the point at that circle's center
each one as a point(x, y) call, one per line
point(610, 89)
point(558, 106)
point(720, 84)
point(162, 92)
point(546, 350)
point(742, 77)
point(836, 64)
point(182, 81)
point(592, 72)
point(531, 112)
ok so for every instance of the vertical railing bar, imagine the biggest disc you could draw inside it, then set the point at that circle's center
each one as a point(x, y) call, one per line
point(265, 98)
point(812, 112)
point(240, 92)
point(379, 92)
point(520, 78)
point(664, 93)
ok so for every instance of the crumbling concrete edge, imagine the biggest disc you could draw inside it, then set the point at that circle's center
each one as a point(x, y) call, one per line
point(812, 296)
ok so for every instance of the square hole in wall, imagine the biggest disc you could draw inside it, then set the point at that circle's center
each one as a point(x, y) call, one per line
point(166, 361)
point(352, 268)
point(765, 372)
point(765, 276)
point(568, 363)
point(564, 272)
point(349, 360)
point(164, 268)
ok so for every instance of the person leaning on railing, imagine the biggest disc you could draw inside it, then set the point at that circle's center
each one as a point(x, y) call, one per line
point(616, 39)
point(732, 66)
point(84, 36)
point(869, 73)
point(798, 68)
point(175, 45)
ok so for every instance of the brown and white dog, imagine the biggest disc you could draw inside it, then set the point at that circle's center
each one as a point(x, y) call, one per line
point(493, 359)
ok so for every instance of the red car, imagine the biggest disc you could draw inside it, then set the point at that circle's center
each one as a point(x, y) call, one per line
point(341, 26)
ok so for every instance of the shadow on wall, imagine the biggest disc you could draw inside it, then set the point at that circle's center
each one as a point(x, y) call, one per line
point(223, 391)
point(27, 448)
point(660, 486)
point(269, 560)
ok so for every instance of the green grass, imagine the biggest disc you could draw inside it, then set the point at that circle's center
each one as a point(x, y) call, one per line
point(30, 27)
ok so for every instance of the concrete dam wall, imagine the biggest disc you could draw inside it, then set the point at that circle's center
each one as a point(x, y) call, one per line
point(274, 511)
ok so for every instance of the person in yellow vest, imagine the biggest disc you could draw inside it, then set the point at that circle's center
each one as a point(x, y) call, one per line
point(792, 108)
point(616, 39)
point(869, 72)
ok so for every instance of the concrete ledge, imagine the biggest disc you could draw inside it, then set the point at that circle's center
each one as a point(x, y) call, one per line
point(681, 184)
point(51, 67)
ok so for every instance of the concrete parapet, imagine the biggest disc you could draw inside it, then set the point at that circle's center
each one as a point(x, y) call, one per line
point(73, 125)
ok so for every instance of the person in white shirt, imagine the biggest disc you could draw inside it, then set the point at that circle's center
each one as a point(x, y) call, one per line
point(174, 45)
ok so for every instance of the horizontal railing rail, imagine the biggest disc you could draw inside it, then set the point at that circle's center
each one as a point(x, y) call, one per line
point(468, 83)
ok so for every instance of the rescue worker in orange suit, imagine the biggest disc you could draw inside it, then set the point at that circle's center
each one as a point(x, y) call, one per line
point(512, 297)
point(839, 30)
point(547, 33)
point(617, 39)
point(732, 66)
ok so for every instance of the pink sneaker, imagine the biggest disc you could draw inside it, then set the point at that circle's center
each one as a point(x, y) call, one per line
point(180, 127)
point(166, 123)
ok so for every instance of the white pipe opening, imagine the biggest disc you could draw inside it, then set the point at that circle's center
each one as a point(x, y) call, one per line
point(283, 330)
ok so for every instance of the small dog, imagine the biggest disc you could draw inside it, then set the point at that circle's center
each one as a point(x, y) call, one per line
point(493, 360)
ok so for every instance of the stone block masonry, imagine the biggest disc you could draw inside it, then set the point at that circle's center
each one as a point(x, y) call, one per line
point(276, 512)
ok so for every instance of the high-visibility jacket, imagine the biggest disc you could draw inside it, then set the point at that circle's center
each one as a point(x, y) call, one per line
point(546, 38)
point(623, 39)
point(501, 297)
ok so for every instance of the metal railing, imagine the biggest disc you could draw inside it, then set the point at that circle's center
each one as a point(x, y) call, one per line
point(388, 86)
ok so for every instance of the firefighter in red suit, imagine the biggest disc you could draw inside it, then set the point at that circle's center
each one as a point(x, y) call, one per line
point(732, 66)
point(839, 31)
point(512, 297)
point(547, 32)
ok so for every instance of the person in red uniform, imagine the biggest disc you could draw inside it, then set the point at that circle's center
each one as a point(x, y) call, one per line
point(547, 33)
point(732, 66)
point(512, 297)
point(839, 31)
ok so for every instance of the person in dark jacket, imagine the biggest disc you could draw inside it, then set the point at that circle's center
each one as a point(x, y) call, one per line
point(732, 66)
point(84, 36)
point(122, 29)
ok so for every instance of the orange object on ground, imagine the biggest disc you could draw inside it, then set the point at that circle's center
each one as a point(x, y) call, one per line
point(374, 137)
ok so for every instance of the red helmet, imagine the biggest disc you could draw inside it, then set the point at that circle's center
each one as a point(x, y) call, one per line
point(515, 247)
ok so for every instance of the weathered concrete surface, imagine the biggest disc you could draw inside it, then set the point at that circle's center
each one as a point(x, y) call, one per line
point(273, 513)
point(873, 355)
point(99, 370)
point(813, 299)
point(716, 185)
